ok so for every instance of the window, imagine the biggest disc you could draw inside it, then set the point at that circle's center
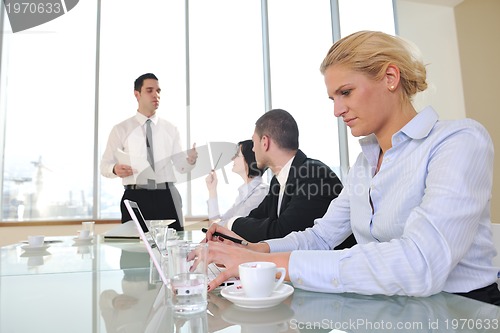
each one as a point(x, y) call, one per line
point(300, 35)
point(208, 56)
point(227, 93)
point(47, 93)
point(134, 40)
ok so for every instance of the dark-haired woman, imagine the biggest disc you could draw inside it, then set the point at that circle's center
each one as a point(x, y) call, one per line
point(250, 194)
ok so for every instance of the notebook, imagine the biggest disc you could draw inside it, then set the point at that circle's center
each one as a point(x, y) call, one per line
point(154, 252)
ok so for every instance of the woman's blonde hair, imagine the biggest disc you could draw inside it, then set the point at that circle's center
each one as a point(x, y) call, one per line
point(371, 52)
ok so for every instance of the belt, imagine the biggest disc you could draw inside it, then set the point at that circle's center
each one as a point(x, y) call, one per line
point(155, 186)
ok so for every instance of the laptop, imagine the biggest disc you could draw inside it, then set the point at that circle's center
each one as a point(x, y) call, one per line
point(153, 250)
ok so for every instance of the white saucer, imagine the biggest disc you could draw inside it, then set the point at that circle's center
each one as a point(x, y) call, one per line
point(28, 248)
point(83, 240)
point(236, 295)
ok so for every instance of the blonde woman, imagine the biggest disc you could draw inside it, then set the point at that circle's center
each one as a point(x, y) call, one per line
point(417, 198)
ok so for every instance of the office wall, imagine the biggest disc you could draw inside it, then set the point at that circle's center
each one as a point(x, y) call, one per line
point(457, 40)
point(432, 29)
point(478, 28)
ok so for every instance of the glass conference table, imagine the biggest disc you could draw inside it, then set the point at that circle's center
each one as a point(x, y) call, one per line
point(110, 286)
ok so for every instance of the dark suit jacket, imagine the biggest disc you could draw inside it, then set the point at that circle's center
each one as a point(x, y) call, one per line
point(310, 187)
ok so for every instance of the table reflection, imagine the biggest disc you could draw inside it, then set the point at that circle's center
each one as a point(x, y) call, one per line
point(350, 312)
point(318, 312)
point(260, 320)
point(112, 287)
point(141, 306)
point(132, 308)
point(35, 258)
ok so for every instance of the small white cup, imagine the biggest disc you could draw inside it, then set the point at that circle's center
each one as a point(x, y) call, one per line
point(88, 225)
point(84, 234)
point(259, 278)
point(36, 241)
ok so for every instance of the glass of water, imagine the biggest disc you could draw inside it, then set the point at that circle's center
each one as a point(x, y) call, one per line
point(159, 230)
point(187, 284)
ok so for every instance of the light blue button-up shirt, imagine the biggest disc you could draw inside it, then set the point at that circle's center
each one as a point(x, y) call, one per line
point(429, 230)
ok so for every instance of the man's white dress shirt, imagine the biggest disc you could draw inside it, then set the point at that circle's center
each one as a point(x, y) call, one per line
point(127, 145)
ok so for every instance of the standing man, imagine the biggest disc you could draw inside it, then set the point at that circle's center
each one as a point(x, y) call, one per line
point(143, 150)
point(301, 189)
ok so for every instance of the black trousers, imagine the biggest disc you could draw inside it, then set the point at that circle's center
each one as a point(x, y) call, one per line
point(489, 294)
point(154, 205)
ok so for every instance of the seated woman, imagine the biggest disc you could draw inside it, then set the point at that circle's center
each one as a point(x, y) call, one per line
point(417, 198)
point(250, 194)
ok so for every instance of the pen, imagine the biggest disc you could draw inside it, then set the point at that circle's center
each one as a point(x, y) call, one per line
point(217, 163)
point(236, 240)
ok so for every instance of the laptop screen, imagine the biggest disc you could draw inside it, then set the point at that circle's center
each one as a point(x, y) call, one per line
point(146, 237)
point(139, 216)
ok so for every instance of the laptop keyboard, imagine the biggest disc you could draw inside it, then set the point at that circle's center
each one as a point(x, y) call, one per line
point(214, 270)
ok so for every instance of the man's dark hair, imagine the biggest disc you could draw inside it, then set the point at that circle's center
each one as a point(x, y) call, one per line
point(249, 156)
point(279, 125)
point(140, 80)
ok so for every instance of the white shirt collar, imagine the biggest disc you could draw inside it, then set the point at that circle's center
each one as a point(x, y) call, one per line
point(142, 118)
point(282, 176)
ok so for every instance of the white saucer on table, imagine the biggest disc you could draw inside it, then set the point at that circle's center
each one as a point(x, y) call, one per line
point(236, 295)
point(29, 248)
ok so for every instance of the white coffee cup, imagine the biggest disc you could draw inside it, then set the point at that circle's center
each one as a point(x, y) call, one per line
point(259, 278)
point(84, 234)
point(36, 241)
point(90, 226)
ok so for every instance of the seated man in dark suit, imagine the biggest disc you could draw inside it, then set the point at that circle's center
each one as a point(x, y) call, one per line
point(301, 189)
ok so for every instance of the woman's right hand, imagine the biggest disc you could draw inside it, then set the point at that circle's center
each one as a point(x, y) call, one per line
point(262, 247)
point(211, 181)
point(214, 227)
point(230, 257)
